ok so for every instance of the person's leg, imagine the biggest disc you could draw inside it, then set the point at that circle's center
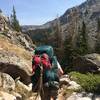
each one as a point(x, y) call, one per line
point(46, 95)
point(54, 94)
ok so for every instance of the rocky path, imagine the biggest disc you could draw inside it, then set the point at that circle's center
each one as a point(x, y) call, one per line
point(60, 96)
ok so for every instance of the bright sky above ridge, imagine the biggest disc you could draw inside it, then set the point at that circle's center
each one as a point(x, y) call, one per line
point(36, 12)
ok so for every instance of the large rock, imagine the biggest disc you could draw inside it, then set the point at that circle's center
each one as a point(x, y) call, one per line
point(17, 95)
point(87, 63)
point(72, 85)
point(7, 82)
point(64, 80)
point(15, 66)
point(23, 87)
point(6, 96)
point(83, 96)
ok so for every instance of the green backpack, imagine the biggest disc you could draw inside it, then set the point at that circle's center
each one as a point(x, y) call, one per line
point(50, 75)
point(45, 49)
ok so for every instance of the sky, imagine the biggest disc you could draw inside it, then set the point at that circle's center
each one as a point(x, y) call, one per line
point(37, 12)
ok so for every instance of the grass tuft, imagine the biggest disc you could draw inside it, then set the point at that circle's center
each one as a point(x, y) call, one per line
point(89, 82)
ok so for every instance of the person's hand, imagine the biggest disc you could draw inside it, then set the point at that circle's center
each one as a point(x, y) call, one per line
point(60, 72)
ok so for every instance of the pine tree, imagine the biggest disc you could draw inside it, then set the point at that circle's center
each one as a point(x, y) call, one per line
point(69, 55)
point(68, 51)
point(0, 11)
point(98, 24)
point(97, 48)
point(58, 34)
point(70, 42)
point(82, 46)
point(14, 22)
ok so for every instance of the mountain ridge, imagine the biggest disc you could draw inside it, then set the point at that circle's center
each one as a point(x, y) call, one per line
point(89, 12)
point(47, 24)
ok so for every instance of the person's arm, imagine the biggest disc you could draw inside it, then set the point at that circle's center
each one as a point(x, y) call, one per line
point(60, 71)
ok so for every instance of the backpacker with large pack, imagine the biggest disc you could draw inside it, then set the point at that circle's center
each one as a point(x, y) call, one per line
point(50, 75)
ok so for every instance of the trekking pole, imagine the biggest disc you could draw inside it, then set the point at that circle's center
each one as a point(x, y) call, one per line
point(40, 89)
point(41, 80)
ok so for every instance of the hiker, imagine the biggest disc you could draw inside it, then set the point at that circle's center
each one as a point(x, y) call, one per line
point(51, 71)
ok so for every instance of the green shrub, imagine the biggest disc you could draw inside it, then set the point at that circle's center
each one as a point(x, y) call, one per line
point(89, 82)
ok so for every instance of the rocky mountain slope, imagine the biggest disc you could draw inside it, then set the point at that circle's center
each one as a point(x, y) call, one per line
point(15, 62)
point(15, 51)
point(89, 12)
point(34, 27)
